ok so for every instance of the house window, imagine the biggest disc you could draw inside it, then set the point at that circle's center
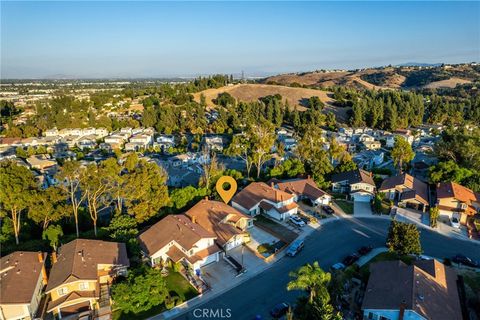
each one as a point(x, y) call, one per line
point(62, 291)
point(83, 286)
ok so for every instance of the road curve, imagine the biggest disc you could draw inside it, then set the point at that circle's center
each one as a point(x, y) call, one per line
point(327, 245)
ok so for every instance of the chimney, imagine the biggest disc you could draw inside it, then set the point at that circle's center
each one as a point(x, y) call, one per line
point(54, 257)
point(272, 184)
point(194, 219)
point(40, 257)
point(308, 177)
point(206, 198)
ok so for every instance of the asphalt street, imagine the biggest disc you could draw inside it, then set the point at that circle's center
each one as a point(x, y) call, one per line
point(328, 245)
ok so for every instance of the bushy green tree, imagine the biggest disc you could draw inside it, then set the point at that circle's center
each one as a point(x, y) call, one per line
point(53, 234)
point(404, 238)
point(402, 153)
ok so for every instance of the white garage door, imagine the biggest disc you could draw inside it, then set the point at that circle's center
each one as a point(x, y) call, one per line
point(361, 197)
point(210, 259)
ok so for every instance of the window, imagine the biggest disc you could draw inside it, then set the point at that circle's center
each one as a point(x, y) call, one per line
point(383, 318)
point(370, 315)
point(62, 291)
point(83, 286)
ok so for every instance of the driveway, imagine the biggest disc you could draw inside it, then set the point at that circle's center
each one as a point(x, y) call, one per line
point(362, 209)
point(327, 246)
point(258, 237)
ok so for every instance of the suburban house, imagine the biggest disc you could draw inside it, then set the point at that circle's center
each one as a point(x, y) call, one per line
point(357, 183)
point(303, 189)
point(408, 191)
point(425, 290)
point(178, 239)
point(41, 162)
point(372, 145)
point(81, 274)
point(214, 143)
point(258, 197)
point(22, 278)
point(454, 199)
point(227, 223)
point(368, 159)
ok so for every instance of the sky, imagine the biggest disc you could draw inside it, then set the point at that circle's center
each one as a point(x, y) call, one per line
point(164, 39)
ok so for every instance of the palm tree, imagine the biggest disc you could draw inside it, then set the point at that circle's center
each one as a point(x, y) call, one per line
point(312, 279)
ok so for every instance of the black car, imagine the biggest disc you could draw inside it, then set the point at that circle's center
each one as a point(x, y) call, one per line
point(328, 210)
point(364, 250)
point(279, 310)
point(351, 259)
point(461, 259)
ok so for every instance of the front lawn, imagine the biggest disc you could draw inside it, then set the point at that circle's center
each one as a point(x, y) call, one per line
point(177, 286)
point(274, 228)
point(346, 206)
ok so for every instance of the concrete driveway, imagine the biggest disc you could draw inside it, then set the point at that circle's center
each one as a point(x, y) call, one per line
point(362, 209)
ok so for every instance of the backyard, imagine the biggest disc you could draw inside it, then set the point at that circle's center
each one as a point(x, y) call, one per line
point(177, 286)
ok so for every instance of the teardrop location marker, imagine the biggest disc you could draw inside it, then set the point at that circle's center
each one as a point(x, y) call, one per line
point(226, 195)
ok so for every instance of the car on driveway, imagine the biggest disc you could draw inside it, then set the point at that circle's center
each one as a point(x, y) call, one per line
point(364, 250)
point(461, 259)
point(295, 248)
point(351, 259)
point(279, 310)
point(455, 222)
point(297, 221)
point(328, 209)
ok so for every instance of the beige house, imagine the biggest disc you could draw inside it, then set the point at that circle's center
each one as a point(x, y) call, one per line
point(227, 223)
point(357, 183)
point(22, 278)
point(81, 274)
point(258, 197)
point(408, 191)
point(454, 199)
point(178, 239)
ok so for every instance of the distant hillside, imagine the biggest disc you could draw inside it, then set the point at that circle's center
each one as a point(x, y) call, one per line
point(400, 77)
point(296, 97)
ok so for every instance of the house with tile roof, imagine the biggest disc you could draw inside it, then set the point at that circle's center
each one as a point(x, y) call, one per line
point(407, 191)
point(302, 189)
point(358, 184)
point(227, 223)
point(178, 239)
point(80, 275)
point(425, 290)
point(22, 279)
point(258, 197)
point(454, 199)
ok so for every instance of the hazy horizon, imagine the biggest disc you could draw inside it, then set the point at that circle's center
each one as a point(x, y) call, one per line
point(123, 40)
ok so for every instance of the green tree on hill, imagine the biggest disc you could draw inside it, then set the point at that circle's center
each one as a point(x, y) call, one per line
point(403, 238)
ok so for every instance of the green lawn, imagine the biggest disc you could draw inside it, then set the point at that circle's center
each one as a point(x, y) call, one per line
point(346, 206)
point(177, 286)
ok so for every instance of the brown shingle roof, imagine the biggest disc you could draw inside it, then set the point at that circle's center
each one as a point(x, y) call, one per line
point(305, 187)
point(217, 218)
point(79, 259)
point(173, 227)
point(255, 192)
point(428, 287)
point(20, 272)
point(406, 181)
point(354, 176)
point(74, 295)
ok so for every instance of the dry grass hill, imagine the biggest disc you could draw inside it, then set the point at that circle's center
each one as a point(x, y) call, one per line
point(296, 97)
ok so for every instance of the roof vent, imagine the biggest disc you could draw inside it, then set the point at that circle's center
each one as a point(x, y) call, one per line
point(421, 297)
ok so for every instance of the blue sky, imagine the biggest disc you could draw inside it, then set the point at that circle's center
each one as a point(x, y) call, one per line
point(157, 39)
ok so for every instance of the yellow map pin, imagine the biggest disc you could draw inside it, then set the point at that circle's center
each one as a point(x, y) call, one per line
point(226, 195)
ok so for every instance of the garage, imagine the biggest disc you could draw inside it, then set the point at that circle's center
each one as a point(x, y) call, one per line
point(361, 197)
point(210, 259)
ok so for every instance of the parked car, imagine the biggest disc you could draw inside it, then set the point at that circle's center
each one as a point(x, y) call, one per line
point(461, 259)
point(351, 259)
point(305, 219)
point(295, 248)
point(279, 310)
point(337, 266)
point(455, 222)
point(297, 221)
point(328, 209)
point(364, 250)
